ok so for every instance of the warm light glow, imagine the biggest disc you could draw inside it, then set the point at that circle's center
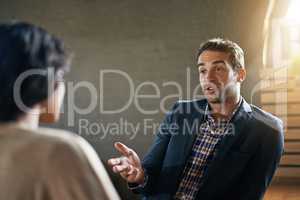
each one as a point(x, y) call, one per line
point(293, 14)
point(292, 19)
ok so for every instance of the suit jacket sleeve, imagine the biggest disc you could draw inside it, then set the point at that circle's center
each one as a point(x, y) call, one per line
point(152, 162)
point(262, 166)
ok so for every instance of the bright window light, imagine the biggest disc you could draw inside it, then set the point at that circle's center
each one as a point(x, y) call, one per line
point(293, 14)
point(292, 19)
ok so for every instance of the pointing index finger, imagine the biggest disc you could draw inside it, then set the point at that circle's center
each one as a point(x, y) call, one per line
point(123, 149)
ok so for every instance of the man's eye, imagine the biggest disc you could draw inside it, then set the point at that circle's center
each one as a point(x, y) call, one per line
point(219, 68)
point(202, 71)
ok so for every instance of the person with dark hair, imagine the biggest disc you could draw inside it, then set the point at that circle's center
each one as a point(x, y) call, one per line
point(41, 163)
point(216, 148)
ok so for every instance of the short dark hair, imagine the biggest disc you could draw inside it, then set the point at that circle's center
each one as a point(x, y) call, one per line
point(227, 46)
point(23, 47)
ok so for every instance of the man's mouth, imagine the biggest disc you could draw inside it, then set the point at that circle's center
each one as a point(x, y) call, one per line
point(210, 88)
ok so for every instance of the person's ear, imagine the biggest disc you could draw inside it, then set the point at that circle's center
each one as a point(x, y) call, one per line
point(241, 75)
point(50, 108)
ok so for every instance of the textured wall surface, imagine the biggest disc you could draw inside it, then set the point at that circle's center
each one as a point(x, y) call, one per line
point(151, 41)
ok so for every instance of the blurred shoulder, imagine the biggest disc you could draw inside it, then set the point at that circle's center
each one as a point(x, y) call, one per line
point(61, 139)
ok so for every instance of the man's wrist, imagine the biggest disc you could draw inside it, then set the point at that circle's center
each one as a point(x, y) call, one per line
point(139, 184)
point(142, 177)
point(134, 186)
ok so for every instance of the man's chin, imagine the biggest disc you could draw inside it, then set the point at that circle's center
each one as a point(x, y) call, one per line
point(213, 99)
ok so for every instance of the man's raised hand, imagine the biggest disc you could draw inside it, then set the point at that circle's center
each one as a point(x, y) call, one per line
point(128, 165)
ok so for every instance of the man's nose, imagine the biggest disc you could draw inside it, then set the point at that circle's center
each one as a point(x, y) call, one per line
point(211, 75)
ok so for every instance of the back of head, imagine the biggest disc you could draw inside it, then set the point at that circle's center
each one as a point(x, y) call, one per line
point(24, 48)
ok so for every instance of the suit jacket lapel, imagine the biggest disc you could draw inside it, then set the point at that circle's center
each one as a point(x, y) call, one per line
point(240, 122)
point(197, 116)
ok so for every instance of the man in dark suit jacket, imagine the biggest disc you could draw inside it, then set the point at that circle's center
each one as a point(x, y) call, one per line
point(216, 148)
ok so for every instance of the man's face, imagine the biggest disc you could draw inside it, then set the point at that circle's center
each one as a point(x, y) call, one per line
point(217, 78)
